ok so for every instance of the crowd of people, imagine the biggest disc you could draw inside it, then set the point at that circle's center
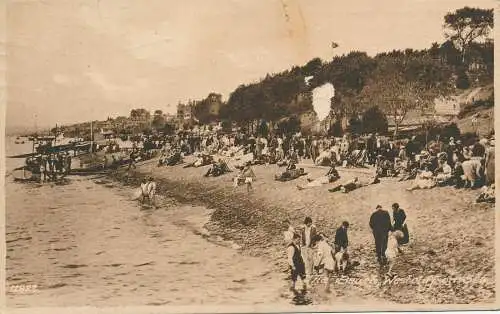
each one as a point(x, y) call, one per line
point(49, 167)
point(439, 162)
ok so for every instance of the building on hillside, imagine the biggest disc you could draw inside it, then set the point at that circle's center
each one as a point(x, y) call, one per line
point(214, 103)
point(414, 120)
point(169, 117)
point(185, 111)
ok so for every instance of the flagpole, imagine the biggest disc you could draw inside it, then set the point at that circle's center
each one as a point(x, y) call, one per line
point(91, 137)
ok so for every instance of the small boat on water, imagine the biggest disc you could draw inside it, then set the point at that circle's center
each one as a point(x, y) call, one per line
point(22, 174)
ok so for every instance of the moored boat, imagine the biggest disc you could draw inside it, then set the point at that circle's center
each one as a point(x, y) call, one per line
point(22, 174)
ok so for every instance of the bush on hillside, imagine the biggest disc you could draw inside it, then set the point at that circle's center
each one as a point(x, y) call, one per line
point(462, 81)
point(375, 121)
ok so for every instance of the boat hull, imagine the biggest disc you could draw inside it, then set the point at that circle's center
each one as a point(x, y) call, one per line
point(23, 175)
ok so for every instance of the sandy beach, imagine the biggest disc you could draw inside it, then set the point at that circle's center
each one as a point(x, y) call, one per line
point(86, 243)
point(445, 224)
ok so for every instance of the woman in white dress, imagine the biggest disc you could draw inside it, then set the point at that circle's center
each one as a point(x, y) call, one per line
point(324, 257)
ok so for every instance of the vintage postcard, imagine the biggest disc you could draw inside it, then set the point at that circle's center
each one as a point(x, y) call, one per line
point(243, 156)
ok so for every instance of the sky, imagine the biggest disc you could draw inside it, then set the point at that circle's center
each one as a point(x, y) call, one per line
point(79, 60)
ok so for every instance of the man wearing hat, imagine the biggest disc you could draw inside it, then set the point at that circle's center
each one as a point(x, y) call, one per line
point(380, 223)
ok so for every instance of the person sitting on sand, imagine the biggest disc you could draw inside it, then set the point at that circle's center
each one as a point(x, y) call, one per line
point(331, 176)
point(487, 194)
point(290, 173)
point(354, 184)
point(218, 168)
point(326, 158)
point(443, 173)
point(201, 161)
point(424, 180)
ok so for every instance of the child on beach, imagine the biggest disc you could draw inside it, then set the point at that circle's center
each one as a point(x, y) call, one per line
point(245, 176)
point(296, 262)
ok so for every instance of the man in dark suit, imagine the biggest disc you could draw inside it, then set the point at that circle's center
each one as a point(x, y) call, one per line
point(341, 240)
point(380, 223)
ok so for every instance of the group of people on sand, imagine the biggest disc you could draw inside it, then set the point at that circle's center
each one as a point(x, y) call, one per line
point(311, 252)
point(456, 165)
point(439, 162)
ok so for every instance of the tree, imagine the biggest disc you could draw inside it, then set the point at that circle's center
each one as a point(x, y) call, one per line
point(404, 83)
point(312, 66)
point(462, 81)
point(158, 122)
point(355, 125)
point(374, 121)
point(169, 129)
point(289, 125)
point(467, 25)
point(263, 129)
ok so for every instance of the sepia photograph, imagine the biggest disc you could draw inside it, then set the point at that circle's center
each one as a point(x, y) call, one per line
point(266, 155)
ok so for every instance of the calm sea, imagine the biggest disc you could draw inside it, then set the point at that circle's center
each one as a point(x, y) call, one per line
point(87, 243)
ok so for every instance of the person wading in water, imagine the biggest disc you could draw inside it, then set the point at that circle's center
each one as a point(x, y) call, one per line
point(296, 262)
point(151, 189)
point(308, 233)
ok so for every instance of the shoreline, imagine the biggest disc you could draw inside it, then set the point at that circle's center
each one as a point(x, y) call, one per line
point(253, 222)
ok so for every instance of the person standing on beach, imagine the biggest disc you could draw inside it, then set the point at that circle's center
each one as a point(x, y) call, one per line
point(399, 217)
point(324, 258)
point(296, 262)
point(132, 158)
point(308, 233)
point(341, 240)
point(144, 190)
point(289, 231)
point(380, 223)
point(151, 189)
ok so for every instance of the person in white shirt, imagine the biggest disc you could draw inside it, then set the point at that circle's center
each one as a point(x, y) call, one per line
point(151, 190)
point(144, 190)
point(308, 233)
point(324, 257)
point(289, 231)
